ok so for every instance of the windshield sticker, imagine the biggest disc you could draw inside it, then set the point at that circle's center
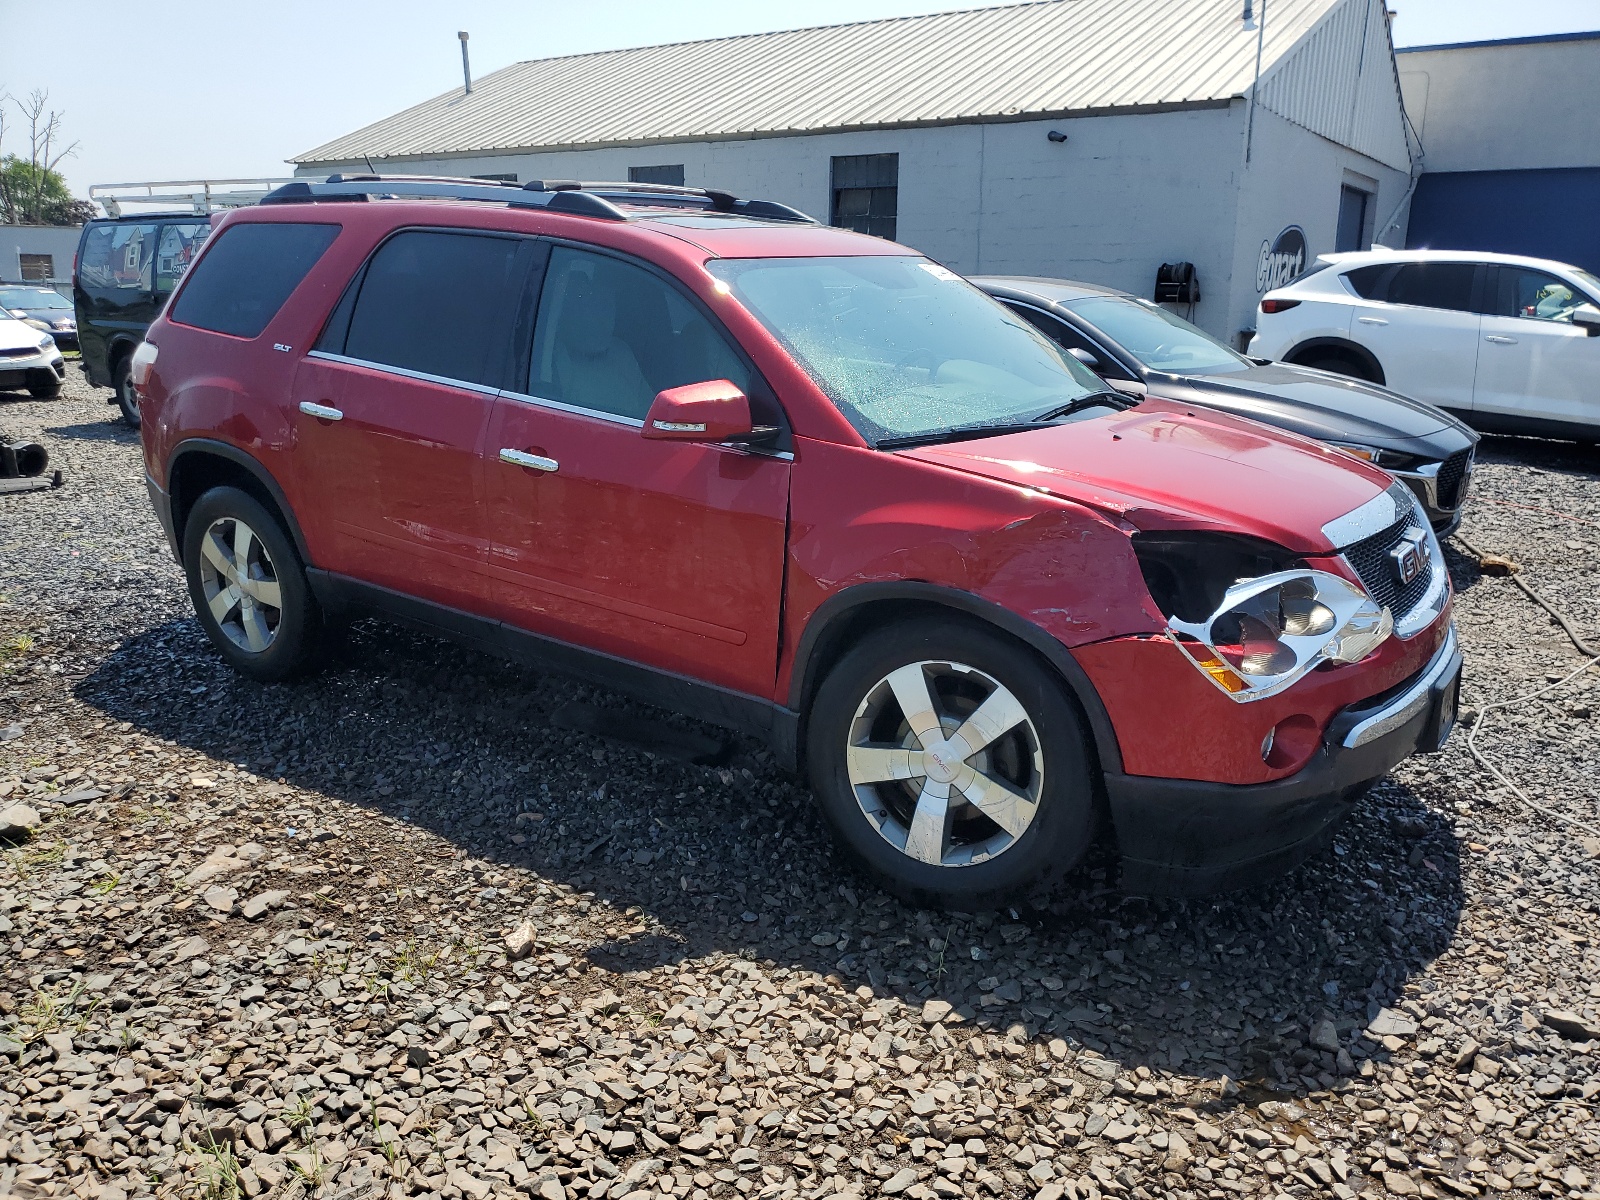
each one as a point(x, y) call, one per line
point(938, 272)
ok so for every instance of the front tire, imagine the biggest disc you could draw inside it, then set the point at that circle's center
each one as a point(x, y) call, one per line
point(45, 389)
point(952, 764)
point(248, 587)
point(127, 399)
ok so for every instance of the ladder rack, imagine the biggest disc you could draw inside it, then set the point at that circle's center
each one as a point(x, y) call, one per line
point(199, 196)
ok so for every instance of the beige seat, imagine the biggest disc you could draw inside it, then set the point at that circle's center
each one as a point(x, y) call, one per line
point(593, 367)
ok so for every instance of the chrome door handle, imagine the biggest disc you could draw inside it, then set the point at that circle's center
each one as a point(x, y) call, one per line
point(321, 411)
point(520, 458)
point(1372, 320)
point(1498, 340)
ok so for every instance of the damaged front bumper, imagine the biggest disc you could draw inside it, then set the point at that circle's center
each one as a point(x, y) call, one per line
point(1183, 837)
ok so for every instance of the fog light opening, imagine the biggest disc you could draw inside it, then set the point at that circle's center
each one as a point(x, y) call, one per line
point(1290, 743)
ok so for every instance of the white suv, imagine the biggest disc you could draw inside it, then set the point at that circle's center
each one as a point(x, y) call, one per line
point(1510, 344)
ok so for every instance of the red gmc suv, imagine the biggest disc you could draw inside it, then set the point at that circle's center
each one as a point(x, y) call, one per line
point(808, 485)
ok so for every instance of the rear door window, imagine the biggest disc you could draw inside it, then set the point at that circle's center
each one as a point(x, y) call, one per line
point(1433, 285)
point(240, 285)
point(117, 258)
point(1372, 283)
point(438, 304)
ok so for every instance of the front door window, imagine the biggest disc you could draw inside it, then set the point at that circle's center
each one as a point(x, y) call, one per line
point(1535, 295)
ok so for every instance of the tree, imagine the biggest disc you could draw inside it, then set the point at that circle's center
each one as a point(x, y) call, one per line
point(32, 191)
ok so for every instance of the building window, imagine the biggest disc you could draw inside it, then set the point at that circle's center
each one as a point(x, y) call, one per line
point(506, 178)
point(866, 191)
point(37, 268)
point(1354, 220)
point(671, 174)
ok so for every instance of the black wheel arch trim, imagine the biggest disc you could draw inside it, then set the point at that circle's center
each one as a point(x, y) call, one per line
point(1344, 346)
point(252, 466)
point(809, 666)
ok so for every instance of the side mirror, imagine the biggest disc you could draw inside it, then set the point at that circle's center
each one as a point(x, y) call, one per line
point(714, 411)
point(1085, 357)
point(1587, 318)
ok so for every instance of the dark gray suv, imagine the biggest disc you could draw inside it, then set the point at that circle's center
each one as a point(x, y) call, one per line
point(1130, 341)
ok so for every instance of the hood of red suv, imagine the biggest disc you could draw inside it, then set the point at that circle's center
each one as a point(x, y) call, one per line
point(1161, 466)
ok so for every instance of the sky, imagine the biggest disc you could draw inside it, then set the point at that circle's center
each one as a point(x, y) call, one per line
point(183, 91)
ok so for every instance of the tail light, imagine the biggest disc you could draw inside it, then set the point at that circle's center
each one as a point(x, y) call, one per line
point(144, 357)
point(1278, 306)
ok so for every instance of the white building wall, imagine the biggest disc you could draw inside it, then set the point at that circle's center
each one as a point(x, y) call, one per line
point(1295, 178)
point(58, 241)
point(1121, 196)
point(1506, 106)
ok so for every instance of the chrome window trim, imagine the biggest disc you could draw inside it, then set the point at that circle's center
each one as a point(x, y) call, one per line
point(575, 410)
point(1409, 703)
point(403, 372)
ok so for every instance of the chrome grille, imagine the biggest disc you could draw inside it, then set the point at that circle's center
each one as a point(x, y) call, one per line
point(1373, 563)
point(19, 352)
point(1452, 474)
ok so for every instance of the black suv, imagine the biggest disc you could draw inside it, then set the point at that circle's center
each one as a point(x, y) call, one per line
point(126, 268)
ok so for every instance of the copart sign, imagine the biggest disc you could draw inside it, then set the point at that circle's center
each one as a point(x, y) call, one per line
point(1281, 259)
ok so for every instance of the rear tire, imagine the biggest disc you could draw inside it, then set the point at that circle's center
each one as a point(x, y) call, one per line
point(127, 399)
point(876, 777)
point(248, 586)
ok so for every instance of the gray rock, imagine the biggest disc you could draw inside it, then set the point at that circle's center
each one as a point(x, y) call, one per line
point(1389, 1023)
point(1572, 1026)
point(17, 821)
point(258, 905)
point(1324, 1036)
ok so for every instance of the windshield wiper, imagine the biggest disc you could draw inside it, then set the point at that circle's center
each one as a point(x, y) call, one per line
point(960, 433)
point(1110, 398)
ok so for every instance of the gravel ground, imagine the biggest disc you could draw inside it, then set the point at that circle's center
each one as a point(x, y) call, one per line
point(401, 930)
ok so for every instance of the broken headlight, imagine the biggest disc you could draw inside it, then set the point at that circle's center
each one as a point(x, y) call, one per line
point(1270, 631)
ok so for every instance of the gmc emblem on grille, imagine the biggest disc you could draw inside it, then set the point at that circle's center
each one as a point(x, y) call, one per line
point(1408, 556)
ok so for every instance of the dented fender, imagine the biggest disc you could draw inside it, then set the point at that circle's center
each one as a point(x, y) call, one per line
point(1053, 572)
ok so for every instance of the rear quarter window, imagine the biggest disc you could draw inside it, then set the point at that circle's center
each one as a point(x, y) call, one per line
point(242, 281)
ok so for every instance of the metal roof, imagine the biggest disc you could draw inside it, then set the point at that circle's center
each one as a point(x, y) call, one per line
point(1044, 58)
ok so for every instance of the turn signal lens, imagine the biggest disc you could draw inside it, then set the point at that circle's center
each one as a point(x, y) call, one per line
point(1218, 670)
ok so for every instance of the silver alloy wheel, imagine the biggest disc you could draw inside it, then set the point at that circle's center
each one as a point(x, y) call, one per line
point(240, 584)
point(946, 763)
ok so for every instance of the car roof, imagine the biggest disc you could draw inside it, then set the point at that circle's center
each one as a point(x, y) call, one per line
point(1361, 258)
point(1054, 291)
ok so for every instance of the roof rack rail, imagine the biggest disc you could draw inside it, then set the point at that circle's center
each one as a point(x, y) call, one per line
point(557, 195)
point(200, 196)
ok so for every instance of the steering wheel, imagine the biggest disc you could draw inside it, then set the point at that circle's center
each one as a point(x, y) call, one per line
point(926, 354)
